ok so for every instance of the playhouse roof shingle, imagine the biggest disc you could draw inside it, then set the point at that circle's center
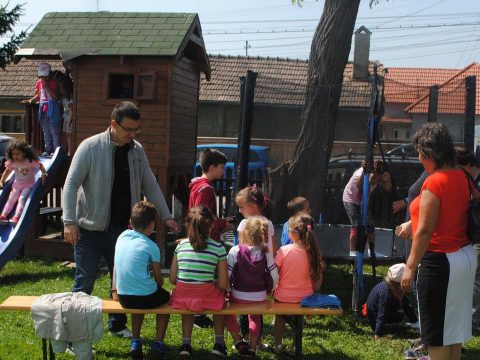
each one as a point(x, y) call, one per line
point(279, 82)
point(18, 80)
point(110, 33)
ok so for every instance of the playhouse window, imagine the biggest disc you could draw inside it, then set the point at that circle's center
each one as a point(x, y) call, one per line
point(121, 86)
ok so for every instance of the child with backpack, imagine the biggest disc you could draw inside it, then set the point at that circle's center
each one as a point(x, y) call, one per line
point(133, 286)
point(252, 275)
point(300, 266)
point(194, 265)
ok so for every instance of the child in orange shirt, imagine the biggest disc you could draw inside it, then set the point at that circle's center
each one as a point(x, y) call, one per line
point(300, 266)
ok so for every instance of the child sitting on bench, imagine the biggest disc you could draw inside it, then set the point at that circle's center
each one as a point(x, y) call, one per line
point(24, 163)
point(300, 267)
point(253, 274)
point(132, 283)
point(194, 265)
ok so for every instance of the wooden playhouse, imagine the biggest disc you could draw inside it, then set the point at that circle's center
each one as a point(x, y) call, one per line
point(153, 59)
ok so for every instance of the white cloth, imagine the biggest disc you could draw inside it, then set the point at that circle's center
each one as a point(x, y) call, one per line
point(69, 317)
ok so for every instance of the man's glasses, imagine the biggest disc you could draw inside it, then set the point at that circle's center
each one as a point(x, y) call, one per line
point(137, 130)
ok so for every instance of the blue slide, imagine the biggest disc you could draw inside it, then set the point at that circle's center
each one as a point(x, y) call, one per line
point(12, 238)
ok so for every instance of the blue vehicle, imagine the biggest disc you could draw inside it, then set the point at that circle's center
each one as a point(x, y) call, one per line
point(258, 165)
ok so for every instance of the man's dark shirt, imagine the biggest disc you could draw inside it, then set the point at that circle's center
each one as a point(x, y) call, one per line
point(121, 197)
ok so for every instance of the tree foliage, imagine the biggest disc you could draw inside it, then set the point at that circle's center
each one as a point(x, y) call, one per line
point(8, 18)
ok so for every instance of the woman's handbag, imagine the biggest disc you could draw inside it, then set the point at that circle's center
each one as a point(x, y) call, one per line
point(473, 228)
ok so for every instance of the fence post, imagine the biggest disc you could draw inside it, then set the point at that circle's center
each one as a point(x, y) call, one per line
point(245, 133)
point(433, 103)
point(469, 124)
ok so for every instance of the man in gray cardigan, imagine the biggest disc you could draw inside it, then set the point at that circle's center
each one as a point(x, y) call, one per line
point(109, 173)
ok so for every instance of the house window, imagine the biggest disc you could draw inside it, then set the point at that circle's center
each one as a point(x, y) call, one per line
point(396, 133)
point(19, 123)
point(407, 134)
point(121, 86)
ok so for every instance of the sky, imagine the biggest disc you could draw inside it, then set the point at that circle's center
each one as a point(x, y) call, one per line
point(406, 33)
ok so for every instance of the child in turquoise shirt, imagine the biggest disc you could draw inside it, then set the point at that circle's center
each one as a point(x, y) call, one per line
point(133, 285)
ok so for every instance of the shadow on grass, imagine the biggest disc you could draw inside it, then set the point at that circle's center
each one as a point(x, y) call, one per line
point(12, 279)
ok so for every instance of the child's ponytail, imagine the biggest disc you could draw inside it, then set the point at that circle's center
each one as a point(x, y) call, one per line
point(199, 221)
point(256, 233)
point(303, 224)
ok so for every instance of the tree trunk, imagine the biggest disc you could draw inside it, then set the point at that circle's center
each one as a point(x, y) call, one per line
point(307, 174)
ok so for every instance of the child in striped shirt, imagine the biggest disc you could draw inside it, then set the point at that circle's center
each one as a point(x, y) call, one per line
point(253, 274)
point(193, 270)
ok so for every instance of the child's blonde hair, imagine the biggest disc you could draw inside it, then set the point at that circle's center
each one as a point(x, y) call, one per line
point(251, 195)
point(303, 225)
point(256, 233)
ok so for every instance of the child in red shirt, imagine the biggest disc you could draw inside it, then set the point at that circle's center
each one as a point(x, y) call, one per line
point(202, 191)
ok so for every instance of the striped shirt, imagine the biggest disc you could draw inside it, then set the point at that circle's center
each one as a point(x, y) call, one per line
point(198, 267)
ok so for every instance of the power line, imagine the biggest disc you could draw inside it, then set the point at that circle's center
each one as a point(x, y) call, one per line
point(286, 30)
point(443, 16)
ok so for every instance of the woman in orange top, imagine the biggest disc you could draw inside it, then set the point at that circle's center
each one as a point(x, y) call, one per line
point(441, 249)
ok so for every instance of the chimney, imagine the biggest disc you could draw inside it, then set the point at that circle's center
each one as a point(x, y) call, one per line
point(361, 54)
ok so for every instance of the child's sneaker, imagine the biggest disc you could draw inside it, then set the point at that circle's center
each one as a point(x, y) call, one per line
point(158, 350)
point(280, 349)
point(136, 349)
point(219, 350)
point(242, 347)
point(14, 220)
point(250, 354)
point(185, 351)
point(3, 220)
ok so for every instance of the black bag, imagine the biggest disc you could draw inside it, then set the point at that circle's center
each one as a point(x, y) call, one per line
point(473, 228)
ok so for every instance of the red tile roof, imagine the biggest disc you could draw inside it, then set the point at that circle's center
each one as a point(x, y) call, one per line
point(18, 80)
point(451, 94)
point(279, 81)
point(407, 85)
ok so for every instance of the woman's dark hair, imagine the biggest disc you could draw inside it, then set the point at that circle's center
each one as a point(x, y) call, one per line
point(143, 214)
point(434, 142)
point(465, 157)
point(211, 157)
point(252, 195)
point(23, 147)
point(199, 221)
point(125, 109)
point(303, 224)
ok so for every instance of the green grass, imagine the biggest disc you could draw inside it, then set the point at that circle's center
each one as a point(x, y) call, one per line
point(324, 337)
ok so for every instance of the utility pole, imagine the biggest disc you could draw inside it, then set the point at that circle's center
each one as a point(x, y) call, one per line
point(246, 48)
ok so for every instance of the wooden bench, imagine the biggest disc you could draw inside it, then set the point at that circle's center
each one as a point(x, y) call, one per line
point(24, 303)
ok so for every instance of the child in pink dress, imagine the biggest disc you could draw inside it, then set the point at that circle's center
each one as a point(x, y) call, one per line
point(194, 265)
point(300, 268)
point(24, 163)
